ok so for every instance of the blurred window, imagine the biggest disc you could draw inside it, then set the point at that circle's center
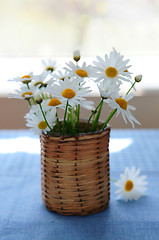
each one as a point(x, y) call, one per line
point(54, 28)
point(51, 28)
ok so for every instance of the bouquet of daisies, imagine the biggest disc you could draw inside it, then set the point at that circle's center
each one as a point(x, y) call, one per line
point(68, 87)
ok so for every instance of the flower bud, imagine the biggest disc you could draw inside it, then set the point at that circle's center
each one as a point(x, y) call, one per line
point(44, 85)
point(138, 78)
point(94, 111)
point(38, 99)
point(27, 98)
point(76, 55)
point(26, 79)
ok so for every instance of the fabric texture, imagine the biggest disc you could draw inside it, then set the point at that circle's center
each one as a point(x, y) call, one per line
point(24, 216)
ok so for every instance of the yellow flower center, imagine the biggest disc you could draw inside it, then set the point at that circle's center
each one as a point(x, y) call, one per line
point(50, 69)
point(129, 185)
point(81, 73)
point(27, 93)
point(111, 72)
point(42, 125)
point(126, 70)
point(27, 79)
point(26, 76)
point(122, 103)
point(68, 93)
point(54, 102)
point(37, 83)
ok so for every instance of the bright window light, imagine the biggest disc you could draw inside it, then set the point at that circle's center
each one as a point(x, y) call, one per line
point(20, 144)
point(118, 144)
point(32, 145)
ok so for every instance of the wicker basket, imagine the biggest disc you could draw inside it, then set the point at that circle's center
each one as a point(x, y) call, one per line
point(75, 173)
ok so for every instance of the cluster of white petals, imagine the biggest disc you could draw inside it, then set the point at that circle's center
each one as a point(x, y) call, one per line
point(57, 87)
point(109, 73)
point(67, 88)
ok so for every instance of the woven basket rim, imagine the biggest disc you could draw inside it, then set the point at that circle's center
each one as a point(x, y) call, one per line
point(57, 135)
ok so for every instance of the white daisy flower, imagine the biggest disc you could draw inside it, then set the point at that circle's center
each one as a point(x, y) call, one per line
point(131, 185)
point(41, 83)
point(69, 90)
point(52, 103)
point(108, 89)
point(35, 108)
point(112, 68)
point(40, 80)
point(61, 75)
point(81, 72)
point(24, 92)
point(37, 123)
point(89, 105)
point(126, 72)
point(49, 65)
point(40, 92)
point(122, 107)
point(51, 81)
point(24, 79)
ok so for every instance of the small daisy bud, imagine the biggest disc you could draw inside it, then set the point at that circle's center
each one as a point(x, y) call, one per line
point(26, 79)
point(93, 111)
point(138, 78)
point(44, 85)
point(106, 95)
point(38, 99)
point(76, 55)
point(27, 98)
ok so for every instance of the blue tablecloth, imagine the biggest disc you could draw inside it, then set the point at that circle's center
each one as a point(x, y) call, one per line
point(23, 215)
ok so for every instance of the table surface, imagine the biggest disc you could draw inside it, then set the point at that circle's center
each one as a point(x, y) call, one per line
point(24, 216)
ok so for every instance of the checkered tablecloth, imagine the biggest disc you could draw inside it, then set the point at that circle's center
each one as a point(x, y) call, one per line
point(23, 215)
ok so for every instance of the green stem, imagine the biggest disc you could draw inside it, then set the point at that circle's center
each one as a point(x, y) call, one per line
point(32, 97)
point(29, 102)
point(33, 101)
point(43, 96)
point(67, 122)
point(95, 123)
point(92, 116)
point(28, 85)
point(114, 111)
point(78, 114)
point(108, 119)
point(45, 118)
point(130, 88)
point(46, 96)
point(58, 123)
point(68, 116)
point(72, 124)
point(64, 120)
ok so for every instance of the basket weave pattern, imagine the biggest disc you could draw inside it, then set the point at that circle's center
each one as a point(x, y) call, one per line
point(75, 173)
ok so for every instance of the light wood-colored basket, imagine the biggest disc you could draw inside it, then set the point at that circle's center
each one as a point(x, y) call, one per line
point(75, 172)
